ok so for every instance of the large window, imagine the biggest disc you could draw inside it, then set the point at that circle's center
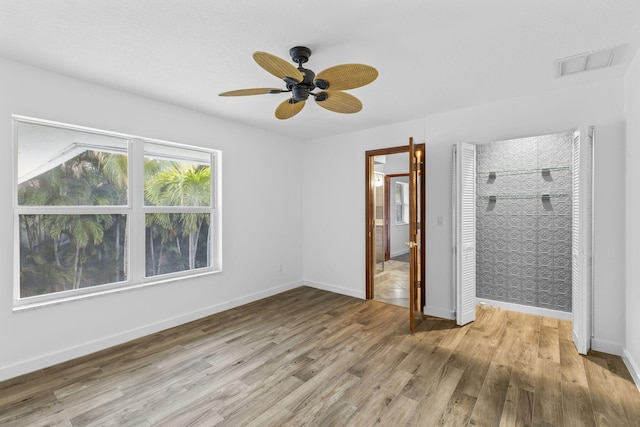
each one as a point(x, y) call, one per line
point(96, 211)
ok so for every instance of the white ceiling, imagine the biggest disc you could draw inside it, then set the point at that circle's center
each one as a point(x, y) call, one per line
point(432, 55)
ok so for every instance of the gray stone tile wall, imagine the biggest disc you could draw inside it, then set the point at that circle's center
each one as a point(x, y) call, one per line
point(524, 239)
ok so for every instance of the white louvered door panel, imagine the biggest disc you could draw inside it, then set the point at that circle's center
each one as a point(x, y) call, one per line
point(454, 223)
point(582, 242)
point(466, 234)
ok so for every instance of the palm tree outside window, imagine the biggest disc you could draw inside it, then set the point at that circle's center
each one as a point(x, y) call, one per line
point(77, 218)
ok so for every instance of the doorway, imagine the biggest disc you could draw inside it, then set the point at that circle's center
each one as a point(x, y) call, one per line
point(391, 279)
point(387, 222)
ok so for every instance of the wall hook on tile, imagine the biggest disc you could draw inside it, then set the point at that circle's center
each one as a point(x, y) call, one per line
point(546, 174)
point(492, 178)
point(546, 202)
point(492, 203)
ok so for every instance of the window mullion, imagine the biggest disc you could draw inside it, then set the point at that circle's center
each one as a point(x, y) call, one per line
point(72, 210)
point(136, 223)
point(177, 209)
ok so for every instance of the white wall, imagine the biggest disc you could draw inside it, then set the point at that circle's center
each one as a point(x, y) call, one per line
point(632, 107)
point(399, 162)
point(599, 104)
point(333, 204)
point(262, 222)
point(334, 242)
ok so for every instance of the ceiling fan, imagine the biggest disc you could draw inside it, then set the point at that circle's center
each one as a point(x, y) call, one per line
point(301, 83)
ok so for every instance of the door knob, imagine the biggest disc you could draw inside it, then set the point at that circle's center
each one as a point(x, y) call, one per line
point(411, 244)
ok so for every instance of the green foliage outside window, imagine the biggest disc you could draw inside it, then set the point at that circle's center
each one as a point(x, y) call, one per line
point(60, 252)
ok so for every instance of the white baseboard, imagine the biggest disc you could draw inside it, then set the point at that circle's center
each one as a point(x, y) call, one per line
point(336, 289)
point(632, 366)
point(606, 346)
point(50, 359)
point(398, 253)
point(444, 313)
point(556, 314)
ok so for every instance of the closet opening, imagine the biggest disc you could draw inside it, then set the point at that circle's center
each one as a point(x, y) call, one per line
point(523, 224)
point(523, 227)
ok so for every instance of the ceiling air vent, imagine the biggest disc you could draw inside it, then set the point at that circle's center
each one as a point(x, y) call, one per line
point(585, 61)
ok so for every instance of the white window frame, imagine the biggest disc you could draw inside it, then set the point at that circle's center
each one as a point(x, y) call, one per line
point(403, 203)
point(135, 211)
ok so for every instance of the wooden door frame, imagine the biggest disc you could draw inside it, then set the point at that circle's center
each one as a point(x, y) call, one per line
point(370, 217)
point(387, 212)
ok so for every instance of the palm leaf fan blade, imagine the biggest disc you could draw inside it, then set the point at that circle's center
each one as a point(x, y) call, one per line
point(348, 76)
point(277, 66)
point(340, 102)
point(253, 91)
point(288, 109)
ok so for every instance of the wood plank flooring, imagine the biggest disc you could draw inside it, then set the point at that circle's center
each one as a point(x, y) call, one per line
point(310, 357)
point(392, 284)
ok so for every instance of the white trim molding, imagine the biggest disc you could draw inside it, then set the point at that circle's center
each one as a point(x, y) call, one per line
point(398, 253)
point(336, 289)
point(606, 346)
point(632, 366)
point(444, 313)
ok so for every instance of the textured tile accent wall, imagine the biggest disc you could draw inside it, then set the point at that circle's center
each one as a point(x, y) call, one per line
point(523, 236)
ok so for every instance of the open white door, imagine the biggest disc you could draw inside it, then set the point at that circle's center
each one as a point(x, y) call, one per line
point(582, 238)
point(464, 187)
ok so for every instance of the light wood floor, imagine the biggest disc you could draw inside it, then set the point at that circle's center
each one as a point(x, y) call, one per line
point(310, 357)
point(392, 285)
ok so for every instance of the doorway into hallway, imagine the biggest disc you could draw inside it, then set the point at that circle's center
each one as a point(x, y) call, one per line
point(388, 231)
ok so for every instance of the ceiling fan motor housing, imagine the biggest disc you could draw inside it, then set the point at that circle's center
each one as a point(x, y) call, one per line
point(300, 54)
point(300, 91)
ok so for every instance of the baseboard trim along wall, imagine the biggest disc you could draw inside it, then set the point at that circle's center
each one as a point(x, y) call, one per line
point(632, 366)
point(526, 309)
point(398, 253)
point(336, 289)
point(606, 346)
point(439, 312)
point(50, 359)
